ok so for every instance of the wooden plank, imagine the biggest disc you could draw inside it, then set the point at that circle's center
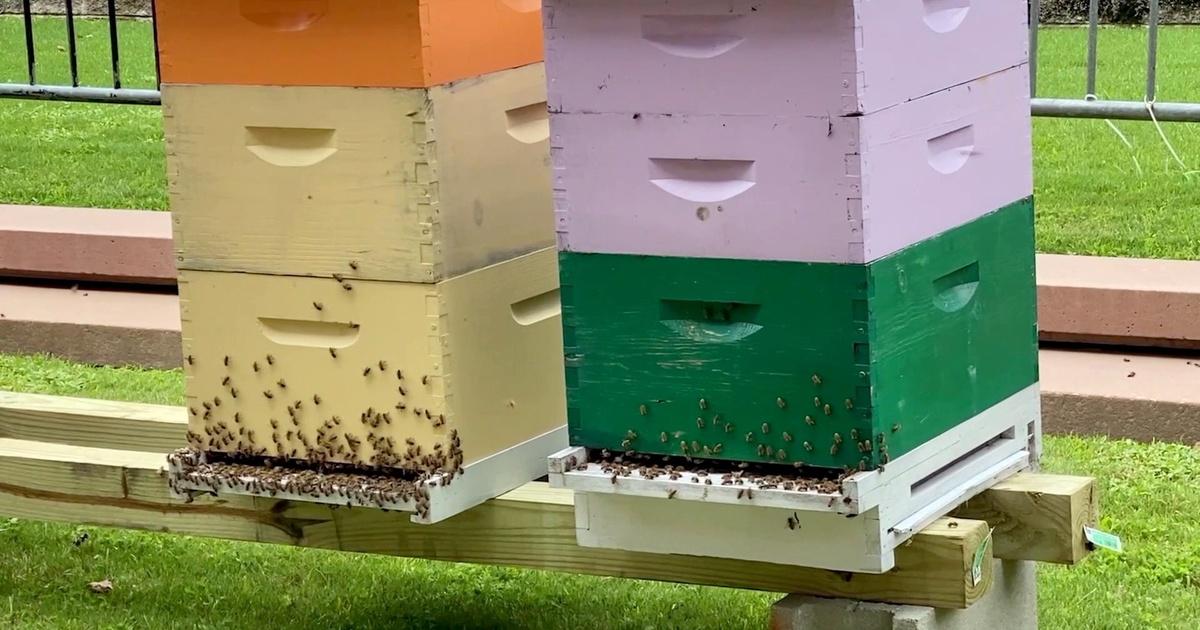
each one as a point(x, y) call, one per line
point(74, 422)
point(92, 423)
point(532, 527)
point(87, 244)
point(1038, 517)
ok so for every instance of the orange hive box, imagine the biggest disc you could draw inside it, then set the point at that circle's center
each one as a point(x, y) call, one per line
point(363, 43)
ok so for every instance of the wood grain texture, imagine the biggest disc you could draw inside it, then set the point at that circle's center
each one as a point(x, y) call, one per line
point(412, 185)
point(1037, 516)
point(452, 351)
point(787, 362)
point(533, 527)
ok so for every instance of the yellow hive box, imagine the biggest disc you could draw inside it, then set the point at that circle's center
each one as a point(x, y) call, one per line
point(302, 368)
point(403, 184)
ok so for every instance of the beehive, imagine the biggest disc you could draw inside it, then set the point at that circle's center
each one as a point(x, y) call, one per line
point(363, 220)
point(791, 232)
point(819, 364)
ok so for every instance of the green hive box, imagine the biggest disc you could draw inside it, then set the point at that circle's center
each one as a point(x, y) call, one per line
point(830, 365)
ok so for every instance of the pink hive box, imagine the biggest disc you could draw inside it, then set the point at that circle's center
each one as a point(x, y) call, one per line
point(799, 188)
point(776, 57)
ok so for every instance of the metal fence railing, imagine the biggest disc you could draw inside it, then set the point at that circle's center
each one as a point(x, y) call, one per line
point(1089, 106)
point(1092, 107)
point(75, 92)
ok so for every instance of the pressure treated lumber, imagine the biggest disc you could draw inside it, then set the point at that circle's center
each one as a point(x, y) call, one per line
point(93, 423)
point(91, 326)
point(1035, 516)
point(1127, 301)
point(531, 527)
point(86, 244)
point(1038, 516)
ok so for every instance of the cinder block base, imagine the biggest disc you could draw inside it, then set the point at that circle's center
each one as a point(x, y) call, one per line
point(1011, 603)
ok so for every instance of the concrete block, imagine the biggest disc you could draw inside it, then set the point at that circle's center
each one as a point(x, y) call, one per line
point(1010, 603)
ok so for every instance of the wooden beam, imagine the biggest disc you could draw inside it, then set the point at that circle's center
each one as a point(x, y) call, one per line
point(95, 423)
point(533, 527)
point(1038, 517)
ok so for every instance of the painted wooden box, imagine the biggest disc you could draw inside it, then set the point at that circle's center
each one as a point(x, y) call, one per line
point(368, 43)
point(382, 374)
point(773, 57)
point(813, 189)
point(412, 185)
point(829, 365)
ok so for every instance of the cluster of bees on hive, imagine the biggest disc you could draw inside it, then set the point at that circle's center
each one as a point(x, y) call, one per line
point(233, 453)
point(696, 450)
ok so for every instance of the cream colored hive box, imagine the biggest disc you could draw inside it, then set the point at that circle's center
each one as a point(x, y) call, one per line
point(411, 184)
point(454, 385)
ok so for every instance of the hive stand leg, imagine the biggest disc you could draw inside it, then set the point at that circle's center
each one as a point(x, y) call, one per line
point(1011, 603)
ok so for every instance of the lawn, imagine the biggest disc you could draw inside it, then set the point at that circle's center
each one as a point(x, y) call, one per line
point(1092, 199)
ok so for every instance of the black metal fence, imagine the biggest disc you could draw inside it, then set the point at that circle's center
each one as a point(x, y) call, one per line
point(1089, 106)
point(76, 92)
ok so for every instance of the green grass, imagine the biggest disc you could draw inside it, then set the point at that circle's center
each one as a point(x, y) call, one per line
point(1091, 200)
point(79, 154)
point(162, 581)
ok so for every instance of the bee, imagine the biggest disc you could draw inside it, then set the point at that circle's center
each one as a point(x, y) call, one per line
point(298, 403)
point(217, 400)
point(729, 428)
point(333, 353)
point(268, 394)
point(255, 366)
point(193, 411)
point(227, 360)
point(781, 402)
point(810, 421)
point(400, 406)
point(793, 522)
point(717, 449)
point(403, 392)
point(354, 265)
point(816, 379)
point(833, 450)
point(338, 277)
point(346, 286)
point(787, 437)
point(808, 446)
point(828, 410)
point(699, 423)
point(191, 360)
point(895, 428)
point(425, 379)
point(817, 402)
point(318, 306)
point(225, 381)
point(274, 423)
point(837, 438)
point(671, 493)
point(854, 434)
point(382, 365)
point(781, 455)
point(683, 446)
point(642, 409)
point(399, 375)
point(749, 437)
point(741, 492)
point(428, 416)
point(849, 404)
point(663, 437)
point(703, 404)
point(762, 450)
point(237, 417)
